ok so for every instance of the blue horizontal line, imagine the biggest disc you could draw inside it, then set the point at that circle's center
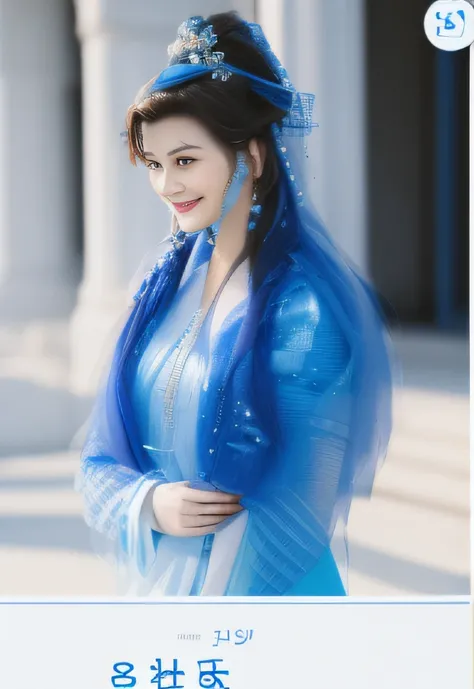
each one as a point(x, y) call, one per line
point(455, 602)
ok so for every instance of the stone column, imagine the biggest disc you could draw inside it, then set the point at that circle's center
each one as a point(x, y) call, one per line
point(321, 44)
point(123, 46)
point(38, 179)
point(471, 197)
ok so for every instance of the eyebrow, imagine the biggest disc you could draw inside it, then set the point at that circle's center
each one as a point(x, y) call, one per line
point(185, 147)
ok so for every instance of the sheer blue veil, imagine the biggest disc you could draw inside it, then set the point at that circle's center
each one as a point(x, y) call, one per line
point(334, 276)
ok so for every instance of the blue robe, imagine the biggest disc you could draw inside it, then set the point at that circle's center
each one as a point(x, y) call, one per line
point(271, 422)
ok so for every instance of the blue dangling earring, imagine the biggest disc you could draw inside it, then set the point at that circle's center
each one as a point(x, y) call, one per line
point(213, 230)
point(231, 194)
point(255, 210)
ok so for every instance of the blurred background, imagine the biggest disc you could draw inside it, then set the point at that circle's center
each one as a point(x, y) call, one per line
point(390, 161)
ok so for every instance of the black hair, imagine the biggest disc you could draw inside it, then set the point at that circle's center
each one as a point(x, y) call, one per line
point(230, 110)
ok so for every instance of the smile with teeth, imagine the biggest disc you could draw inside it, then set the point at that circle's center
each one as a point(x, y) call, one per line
point(186, 205)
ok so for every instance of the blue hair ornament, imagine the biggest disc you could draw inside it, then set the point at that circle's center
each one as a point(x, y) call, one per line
point(181, 73)
point(192, 56)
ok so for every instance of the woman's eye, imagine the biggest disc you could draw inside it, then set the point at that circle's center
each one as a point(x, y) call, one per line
point(152, 165)
point(184, 162)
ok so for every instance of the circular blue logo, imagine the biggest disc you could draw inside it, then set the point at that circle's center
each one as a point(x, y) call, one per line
point(449, 24)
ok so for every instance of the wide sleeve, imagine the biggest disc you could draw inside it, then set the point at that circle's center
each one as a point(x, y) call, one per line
point(302, 384)
point(116, 491)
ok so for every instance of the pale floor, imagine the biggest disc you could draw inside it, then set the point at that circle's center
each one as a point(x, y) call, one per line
point(411, 538)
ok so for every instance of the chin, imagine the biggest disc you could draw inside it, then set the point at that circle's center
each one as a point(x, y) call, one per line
point(191, 225)
point(192, 228)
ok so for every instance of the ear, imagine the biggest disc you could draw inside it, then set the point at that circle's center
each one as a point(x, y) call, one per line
point(257, 151)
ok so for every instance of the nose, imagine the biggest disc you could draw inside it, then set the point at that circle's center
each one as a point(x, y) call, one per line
point(168, 183)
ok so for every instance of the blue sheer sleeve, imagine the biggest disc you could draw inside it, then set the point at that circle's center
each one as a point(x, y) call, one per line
point(109, 489)
point(294, 508)
point(116, 506)
point(113, 484)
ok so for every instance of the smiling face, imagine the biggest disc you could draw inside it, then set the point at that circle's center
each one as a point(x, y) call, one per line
point(188, 169)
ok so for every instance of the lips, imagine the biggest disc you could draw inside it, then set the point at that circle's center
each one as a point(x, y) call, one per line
point(186, 206)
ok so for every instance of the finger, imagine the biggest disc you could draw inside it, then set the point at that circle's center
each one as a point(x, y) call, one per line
point(196, 495)
point(203, 496)
point(196, 521)
point(200, 530)
point(195, 508)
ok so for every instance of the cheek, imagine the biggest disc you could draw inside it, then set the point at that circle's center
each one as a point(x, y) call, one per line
point(154, 181)
point(214, 182)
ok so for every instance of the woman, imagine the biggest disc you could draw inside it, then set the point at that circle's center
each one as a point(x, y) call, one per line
point(250, 391)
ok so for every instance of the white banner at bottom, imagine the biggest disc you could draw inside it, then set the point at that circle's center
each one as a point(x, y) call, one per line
point(237, 644)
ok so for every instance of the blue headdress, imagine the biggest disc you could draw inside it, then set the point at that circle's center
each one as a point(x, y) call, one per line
point(297, 237)
point(191, 56)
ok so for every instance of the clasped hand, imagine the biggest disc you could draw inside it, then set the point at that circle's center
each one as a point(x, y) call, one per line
point(183, 511)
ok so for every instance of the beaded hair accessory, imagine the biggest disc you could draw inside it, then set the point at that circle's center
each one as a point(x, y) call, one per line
point(192, 55)
point(194, 44)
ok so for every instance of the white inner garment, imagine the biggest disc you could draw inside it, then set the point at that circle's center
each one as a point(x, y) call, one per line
point(177, 560)
point(227, 541)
